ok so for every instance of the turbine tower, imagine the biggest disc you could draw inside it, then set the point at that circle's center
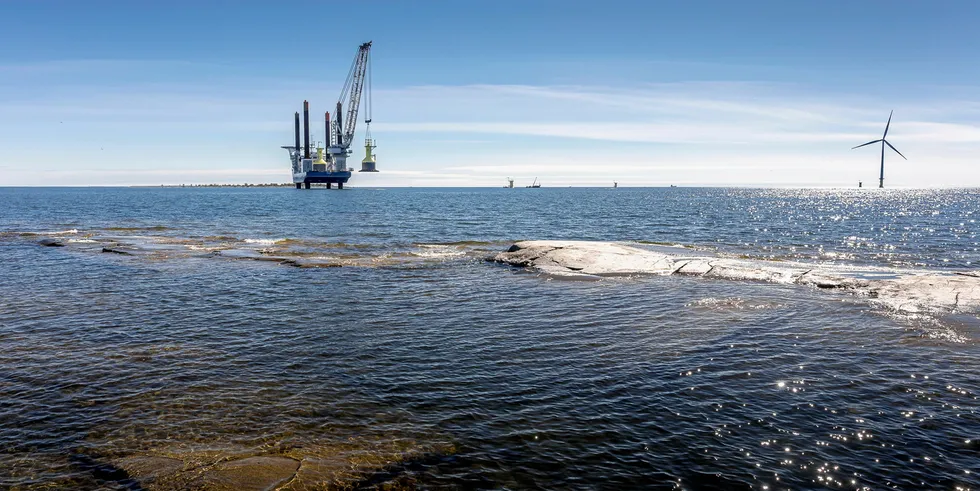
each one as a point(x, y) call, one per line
point(881, 177)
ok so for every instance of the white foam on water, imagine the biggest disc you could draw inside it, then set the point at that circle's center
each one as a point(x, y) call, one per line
point(83, 241)
point(129, 237)
point(263, 241)
point(438, 251)
point(733, 303)
point(61, 232)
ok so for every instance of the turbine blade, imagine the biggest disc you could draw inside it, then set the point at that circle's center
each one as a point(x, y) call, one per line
point(895, 149)
point(887, 125)
point(863, 144)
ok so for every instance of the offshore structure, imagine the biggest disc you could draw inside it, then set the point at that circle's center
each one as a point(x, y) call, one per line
point(329, 164)
point(881, 176)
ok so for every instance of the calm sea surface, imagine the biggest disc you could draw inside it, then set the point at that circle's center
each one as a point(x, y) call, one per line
point(478, 375)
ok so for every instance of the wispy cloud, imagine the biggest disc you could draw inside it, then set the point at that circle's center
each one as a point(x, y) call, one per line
point(698, 113)
point(684, 133)
point(696, 132)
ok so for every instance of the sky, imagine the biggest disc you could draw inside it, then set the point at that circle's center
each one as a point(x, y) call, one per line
point(645, 93)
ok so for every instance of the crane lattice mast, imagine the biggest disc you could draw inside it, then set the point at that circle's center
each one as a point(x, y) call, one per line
point(353, 87)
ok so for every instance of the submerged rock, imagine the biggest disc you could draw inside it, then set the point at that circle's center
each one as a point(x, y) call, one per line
point(249, 473)
point(51, 243)
point(117, 250)
point(151, 469)
point(927, 291)
point(252, 473)
point(348, 465)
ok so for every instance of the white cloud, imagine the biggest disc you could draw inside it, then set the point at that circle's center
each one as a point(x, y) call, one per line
point(671, 113)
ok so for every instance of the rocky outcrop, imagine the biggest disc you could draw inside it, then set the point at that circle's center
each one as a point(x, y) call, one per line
point(910, 291)
point(586, 258)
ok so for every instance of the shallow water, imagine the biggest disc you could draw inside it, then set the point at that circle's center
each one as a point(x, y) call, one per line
point(477, 374)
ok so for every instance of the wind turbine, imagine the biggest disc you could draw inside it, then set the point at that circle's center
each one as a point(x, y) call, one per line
point(881, 177)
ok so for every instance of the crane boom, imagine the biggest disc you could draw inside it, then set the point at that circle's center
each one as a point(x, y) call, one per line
point(353, 87)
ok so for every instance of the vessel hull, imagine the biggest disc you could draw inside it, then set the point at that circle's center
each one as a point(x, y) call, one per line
point(321, 177)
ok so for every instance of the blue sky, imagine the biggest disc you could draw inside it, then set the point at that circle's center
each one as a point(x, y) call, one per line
point(769, 93)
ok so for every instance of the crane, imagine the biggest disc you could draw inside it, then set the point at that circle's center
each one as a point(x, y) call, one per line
point(329, 165)
point(341, 137)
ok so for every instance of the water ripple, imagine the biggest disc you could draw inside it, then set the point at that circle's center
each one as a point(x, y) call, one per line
point(441, 371)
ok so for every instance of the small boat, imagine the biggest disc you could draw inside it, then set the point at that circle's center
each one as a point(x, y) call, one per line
point(535, 184)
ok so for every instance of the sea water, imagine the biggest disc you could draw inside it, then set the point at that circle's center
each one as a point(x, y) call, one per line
point(396, 341)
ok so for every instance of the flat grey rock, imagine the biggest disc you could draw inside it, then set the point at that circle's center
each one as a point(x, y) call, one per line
point(918, 291)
